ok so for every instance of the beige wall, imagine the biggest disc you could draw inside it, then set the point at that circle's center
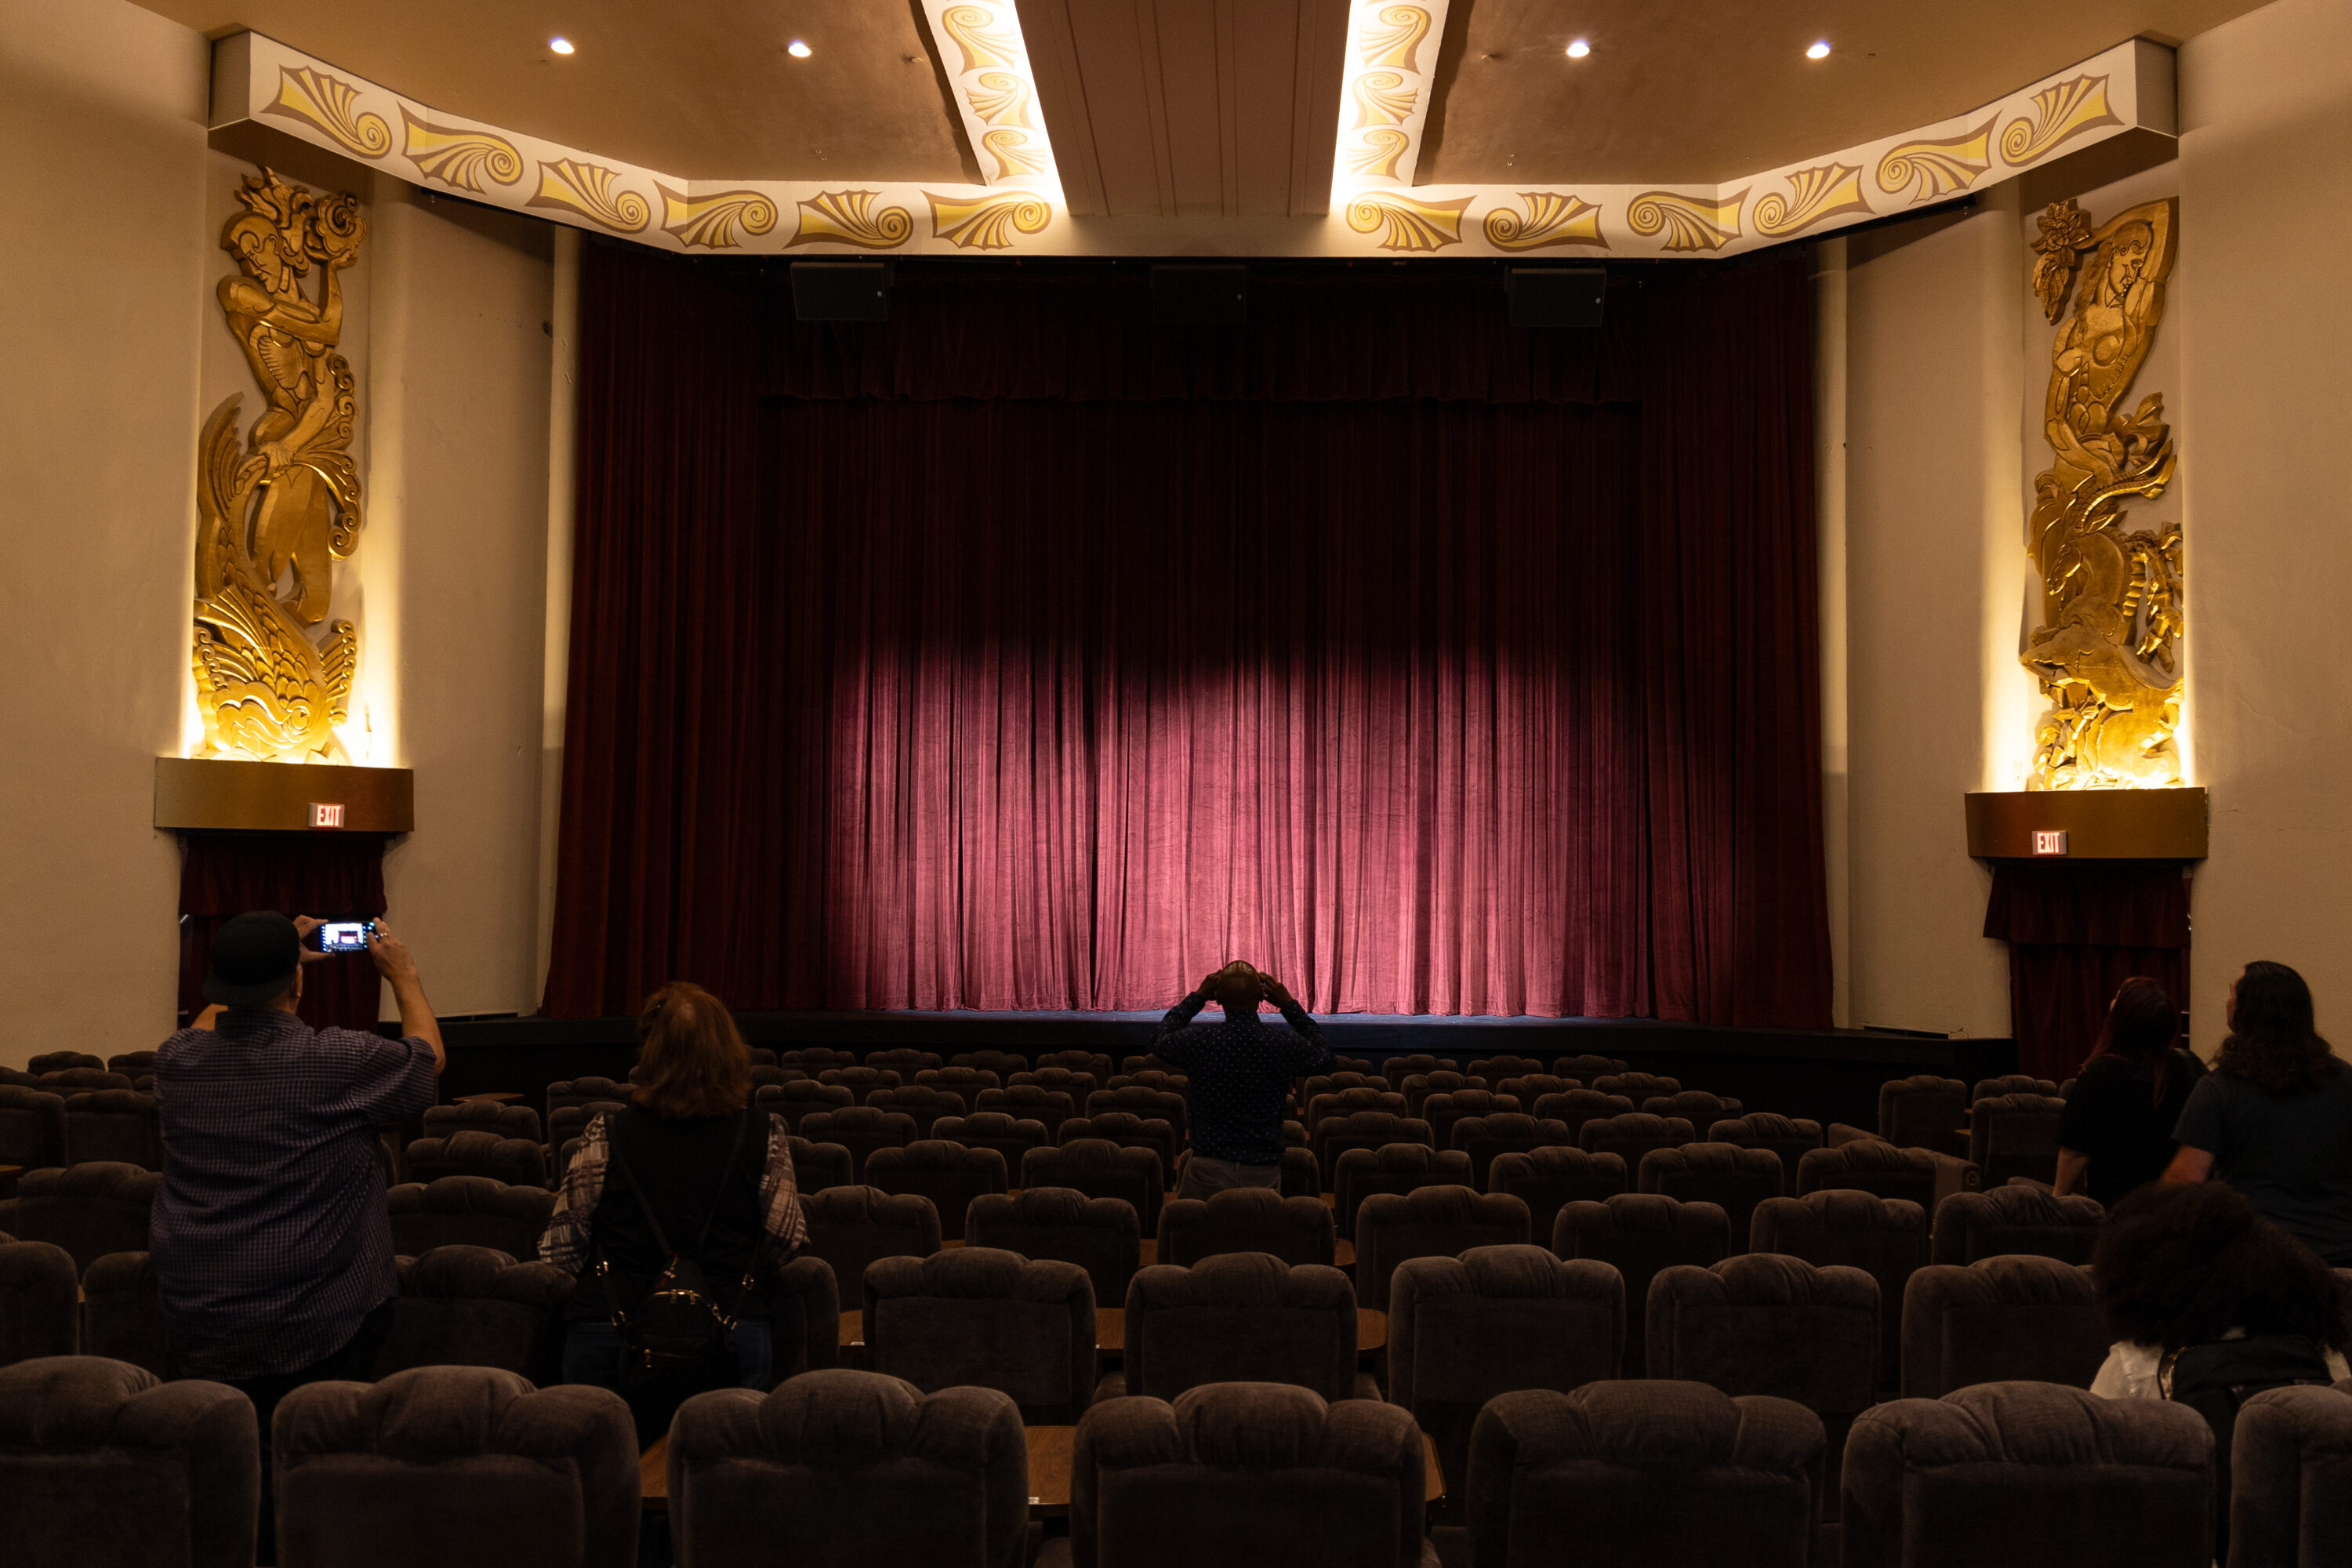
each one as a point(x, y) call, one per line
point(115, 352)
point(102, 172)
point(1946, 358)
point(2265, 301)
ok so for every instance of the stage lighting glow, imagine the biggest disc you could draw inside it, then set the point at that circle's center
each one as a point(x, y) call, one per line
point(798, 51)
point(560, 45)
point(1578, 50)
point(1820, 51)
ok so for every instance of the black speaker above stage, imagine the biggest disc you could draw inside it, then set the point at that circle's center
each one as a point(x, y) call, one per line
point(841, 290)
point(1199, 294)
point(1556, 296)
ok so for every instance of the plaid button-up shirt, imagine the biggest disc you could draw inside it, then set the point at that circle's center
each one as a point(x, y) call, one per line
point(270, 1235)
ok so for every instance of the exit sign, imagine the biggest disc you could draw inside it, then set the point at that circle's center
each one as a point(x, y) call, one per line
point(2050, 841)
point(330, 813)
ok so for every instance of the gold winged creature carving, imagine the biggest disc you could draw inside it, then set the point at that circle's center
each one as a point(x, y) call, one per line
point(2107, 649)
point(275, 511)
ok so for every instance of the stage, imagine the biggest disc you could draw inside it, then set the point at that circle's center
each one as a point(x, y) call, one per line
point(1829, 1075)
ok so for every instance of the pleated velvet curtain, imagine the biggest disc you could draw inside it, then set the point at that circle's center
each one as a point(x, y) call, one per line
point(1020, 654)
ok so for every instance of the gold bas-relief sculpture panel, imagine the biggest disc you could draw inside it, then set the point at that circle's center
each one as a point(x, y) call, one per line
point(2108, 650)
point(276, 510)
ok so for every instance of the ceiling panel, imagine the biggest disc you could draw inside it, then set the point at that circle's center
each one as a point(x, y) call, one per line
point(1712, 90)
point(1190, 107)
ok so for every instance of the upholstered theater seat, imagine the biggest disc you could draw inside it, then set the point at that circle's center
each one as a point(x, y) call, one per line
point(1586, 1068)
point(981, 1318)
point(123, 1311)
point(1396, 1069)
point(116, 1124)
point(1100, 1235)
point(1242, 1317)
point(476, 1152)
point(2014, 1219)
point(1049, 1107)
point(1333, 1136)
point(1505, 1132)
point(963, 1082)
point(102, 1464)
point(88, 1210)
point(1641, 1474)
point(907, 1060)
point(1733, 1179)
point(1885, 1237)
point(1788, 1137)
point(1099, 1168)
point(1005, 1063)
point(993, 1130)
point(1347, 1101)
point(1986, 1089)
point(922, 1103)
point(1576, 1107)
point(468, 1211)
point(2028, 1475)
point(468, 1306)
point(455, 1463)
point(1429, 1222)
point(862, 1082)
point(38, 1313)
point(32, 1127)
point(1631, 1136)
point(802, 1098)
point(2010, 1319)
point(816, 1166)
point(1871, 1165)
point(1129, 1130)
point(1548, 1177)
point(849, 1227)
point(1391, 1168)
point(1764, 1323)
point(483, 1115)
point(1445, 1111)
point(1419, 1087)
point(1696, 1106)
point(1925, 1110)
point(1495, 1069)
point(1636, 1087)
point(1247, 1475)
point(1494, 1320)
point(860, 1129)
point(2012, 1135)
point(849, 1468)
point(2291, 1479)
point(1640, 1234)
point(949, 1175)
point(1246, 1219)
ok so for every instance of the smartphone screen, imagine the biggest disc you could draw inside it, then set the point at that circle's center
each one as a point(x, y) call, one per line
point(344, 936)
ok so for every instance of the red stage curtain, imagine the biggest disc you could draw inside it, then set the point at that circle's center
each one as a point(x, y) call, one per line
point(1427, 682)
point(2076, 931)
point(331, 876)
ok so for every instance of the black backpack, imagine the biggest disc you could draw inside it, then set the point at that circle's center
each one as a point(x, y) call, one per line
point(677, 1342)
point(2217, 1378)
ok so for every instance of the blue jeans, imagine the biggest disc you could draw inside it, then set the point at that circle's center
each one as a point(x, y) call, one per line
point(591, 1353)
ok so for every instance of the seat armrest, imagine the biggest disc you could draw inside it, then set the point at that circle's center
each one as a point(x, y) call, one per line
point(1840, 1134)
point(1954, 1175)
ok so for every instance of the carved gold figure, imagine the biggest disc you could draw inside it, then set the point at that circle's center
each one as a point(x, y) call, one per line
point(2107, 650)
point(274, 512)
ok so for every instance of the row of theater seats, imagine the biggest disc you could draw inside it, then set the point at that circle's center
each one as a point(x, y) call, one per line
point(844, 1466)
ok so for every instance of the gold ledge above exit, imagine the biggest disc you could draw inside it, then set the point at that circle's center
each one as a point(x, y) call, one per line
point(2099, 824)
point(221, 795)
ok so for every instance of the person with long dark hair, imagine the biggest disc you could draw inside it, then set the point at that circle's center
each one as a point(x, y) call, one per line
point(2274, 1119)
point(2117, 1133)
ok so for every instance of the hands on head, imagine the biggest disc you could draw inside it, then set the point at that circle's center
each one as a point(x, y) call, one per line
point(1240, 986)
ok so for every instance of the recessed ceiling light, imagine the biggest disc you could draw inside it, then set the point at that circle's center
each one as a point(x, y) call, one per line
point(1817, 52)
point(1578, 50)
point(560, 45)
point(798, 51)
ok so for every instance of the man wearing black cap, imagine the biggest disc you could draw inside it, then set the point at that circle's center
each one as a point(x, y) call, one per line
point(271, 1237)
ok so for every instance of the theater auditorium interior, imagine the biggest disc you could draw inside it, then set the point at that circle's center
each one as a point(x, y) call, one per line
point(1287, 783)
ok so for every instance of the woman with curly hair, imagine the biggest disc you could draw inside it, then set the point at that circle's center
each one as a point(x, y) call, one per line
point(2274, 1119)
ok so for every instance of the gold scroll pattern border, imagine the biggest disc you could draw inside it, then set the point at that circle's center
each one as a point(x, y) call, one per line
point(370, 124)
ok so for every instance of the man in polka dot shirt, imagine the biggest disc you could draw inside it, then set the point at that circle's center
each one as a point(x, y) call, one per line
point(1241, 1073)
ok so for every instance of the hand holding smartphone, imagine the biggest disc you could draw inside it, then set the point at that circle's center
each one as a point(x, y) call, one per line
point(344, 936)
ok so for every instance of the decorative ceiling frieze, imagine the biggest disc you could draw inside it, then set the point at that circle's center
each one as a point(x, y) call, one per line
point(1142, 197)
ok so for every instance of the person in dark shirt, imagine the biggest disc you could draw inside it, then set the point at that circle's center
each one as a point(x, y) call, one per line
point(270, 1235)
point(1240, 1074)
point(2117, 1133)
point(2274, 1117)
